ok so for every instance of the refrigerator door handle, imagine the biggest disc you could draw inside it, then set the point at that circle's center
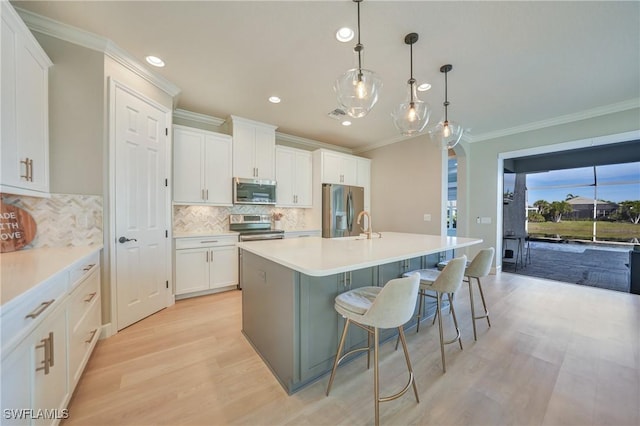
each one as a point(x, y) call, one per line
point(350, 212)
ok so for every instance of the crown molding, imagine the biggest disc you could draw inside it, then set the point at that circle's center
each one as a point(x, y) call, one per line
point(198, 118)
point(564, 119)
point(310, 143)
point(95, 42)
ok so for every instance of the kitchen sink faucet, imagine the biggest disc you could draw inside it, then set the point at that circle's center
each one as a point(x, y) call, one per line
point(367, 231)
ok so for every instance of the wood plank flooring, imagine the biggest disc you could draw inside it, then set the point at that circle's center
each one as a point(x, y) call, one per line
point(556, 354)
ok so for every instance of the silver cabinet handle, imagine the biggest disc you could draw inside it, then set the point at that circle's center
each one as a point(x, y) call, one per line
point(40, 309)
point(202, 194)
point(31, 170)
point(90, 296)
point(47, 344)
point(207, 194)
point(88, 267)
point(207, 242)
point(207, 256)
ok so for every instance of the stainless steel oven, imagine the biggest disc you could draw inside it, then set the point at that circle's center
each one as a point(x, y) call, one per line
point(252, 227)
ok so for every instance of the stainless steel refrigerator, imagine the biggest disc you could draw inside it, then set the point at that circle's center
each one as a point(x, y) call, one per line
point(340, 207)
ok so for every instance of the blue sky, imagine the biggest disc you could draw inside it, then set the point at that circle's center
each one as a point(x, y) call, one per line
point(616, 183)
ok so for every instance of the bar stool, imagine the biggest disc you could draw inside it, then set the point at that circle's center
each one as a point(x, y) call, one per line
point(479, 268)
point(447, 281)
point(372, 308)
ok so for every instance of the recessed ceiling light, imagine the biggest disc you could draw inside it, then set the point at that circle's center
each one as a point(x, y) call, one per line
point(344, 34)
point(424, 87)
point(155, 61)
point(346, 123)
point(274, 99)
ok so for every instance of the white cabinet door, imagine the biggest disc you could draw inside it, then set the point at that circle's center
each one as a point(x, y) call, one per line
point(50, 388)
point(285, 176)
point(16, 384)
point(217, 169)
point(192, 270)
point(25, 109)
point(265, 142)
point(303, 179)
point(224, 266)
point(188, 165)
point(244, 151)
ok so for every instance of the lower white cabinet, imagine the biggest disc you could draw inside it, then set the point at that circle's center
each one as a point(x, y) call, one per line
point(48, 336)
point(206, 263)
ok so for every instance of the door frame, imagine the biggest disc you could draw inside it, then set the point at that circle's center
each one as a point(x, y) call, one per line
point(110, 246)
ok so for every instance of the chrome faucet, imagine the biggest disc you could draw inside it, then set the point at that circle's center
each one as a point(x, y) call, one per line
point(367, 231)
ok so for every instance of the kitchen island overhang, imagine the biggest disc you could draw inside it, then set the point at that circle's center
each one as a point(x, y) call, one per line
point(289, 287)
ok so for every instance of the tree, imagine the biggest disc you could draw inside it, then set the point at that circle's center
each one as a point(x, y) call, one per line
point(542, 206)
point(630, 210)
point(558, 208)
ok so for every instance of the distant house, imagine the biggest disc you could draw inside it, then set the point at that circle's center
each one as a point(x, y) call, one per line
point(583, 208)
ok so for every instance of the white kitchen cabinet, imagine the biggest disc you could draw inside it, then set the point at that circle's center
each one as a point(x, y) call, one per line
point(24, 90)
point(206, 263)
point(294, 178)
point(49, 366)
point(339, 168)
point(253, 148)
point(40, 316)
point(202, 167)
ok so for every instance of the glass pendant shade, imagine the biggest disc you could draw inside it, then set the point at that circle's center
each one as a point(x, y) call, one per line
point(357, 91)
point(448, 133)
point(412, 116)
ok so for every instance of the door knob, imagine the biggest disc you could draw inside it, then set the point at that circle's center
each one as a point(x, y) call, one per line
point(123, 240)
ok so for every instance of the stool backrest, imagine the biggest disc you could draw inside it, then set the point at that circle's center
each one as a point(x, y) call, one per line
point(395, 304)
point(481, 264)
point(450, 279)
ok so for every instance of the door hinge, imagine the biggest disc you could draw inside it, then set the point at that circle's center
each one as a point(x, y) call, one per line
point(166, 233)
point(167, 283)
point(166, 182)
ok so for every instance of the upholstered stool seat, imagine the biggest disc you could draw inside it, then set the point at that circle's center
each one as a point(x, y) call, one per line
point(372, 308)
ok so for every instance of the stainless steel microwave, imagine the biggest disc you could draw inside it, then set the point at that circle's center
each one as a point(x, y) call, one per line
point(254, 191)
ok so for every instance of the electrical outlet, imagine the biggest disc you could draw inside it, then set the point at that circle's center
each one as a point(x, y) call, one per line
point(427, 217)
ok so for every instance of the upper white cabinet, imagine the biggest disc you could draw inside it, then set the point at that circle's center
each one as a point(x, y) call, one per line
point(25, 114)
point(202, 171)
point(339, 168)
point(253, 148)
point(294, 177)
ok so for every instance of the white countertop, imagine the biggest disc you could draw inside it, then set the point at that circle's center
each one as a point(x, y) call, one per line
point(25, 269)
point(317, 256)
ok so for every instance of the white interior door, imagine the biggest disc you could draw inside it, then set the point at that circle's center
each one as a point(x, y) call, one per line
point(141, 219)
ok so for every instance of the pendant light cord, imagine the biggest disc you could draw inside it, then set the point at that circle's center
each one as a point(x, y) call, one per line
point(446, 97)
point(411, 80)
point(359, 46)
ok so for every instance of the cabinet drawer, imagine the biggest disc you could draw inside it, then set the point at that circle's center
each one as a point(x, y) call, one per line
point(82, 339)
point(190, 243)
point(82, 269)
point(83, 298)
point(21, 318)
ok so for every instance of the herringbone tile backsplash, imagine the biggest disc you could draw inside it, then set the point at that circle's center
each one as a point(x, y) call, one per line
point(216, 219)
point(62, 220)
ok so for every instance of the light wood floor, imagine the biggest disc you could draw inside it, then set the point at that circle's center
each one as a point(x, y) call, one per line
point(556, 354)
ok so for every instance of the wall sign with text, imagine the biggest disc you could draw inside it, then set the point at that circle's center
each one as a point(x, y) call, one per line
point(17, 228)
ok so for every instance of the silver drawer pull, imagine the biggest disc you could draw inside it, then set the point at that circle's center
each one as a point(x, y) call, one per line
point(40, 309)
point(91, 296)
point(208, 242)
point(88, 267)
point(93, 334)
point(47, 344)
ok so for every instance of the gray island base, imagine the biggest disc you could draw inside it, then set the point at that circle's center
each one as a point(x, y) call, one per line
point(289, 287)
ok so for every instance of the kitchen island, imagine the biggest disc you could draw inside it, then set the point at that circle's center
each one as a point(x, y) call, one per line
point(289, 287)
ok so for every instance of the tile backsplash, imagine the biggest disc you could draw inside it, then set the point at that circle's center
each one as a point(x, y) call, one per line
point(188, 219)
point(62, 220)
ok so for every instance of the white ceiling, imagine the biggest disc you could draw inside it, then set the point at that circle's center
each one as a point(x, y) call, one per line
point(514, 63)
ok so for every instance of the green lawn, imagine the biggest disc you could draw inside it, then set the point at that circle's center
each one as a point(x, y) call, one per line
point(583, 230)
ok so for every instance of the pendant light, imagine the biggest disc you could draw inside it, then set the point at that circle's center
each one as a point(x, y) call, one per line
point(412, 116)
point(357, 89)
point(446, 131)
